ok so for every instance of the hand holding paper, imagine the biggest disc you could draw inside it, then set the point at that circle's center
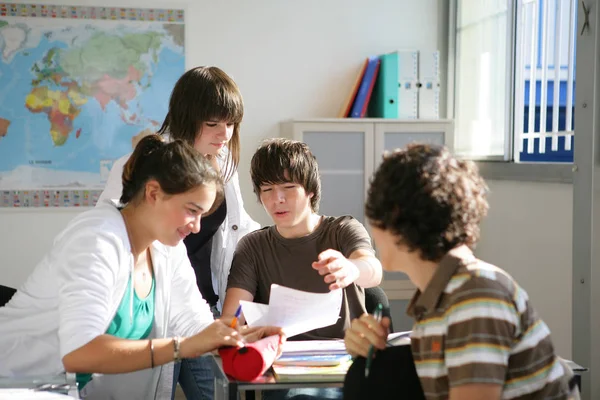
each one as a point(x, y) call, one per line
point(295, 311)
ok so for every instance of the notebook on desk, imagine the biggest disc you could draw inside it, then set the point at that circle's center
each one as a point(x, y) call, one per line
point(335, 373)
point(321, 360)
point(313, 347)
point(313, 360)
point(313, 353)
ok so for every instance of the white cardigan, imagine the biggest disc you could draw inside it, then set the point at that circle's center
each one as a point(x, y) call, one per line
point(73, 294)
point(237, 224)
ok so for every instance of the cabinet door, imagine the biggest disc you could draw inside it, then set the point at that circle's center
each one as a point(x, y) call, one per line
point(394, 135)
point(344, 152)
point(391, 136)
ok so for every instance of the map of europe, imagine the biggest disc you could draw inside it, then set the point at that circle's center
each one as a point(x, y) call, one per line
point(76, 94)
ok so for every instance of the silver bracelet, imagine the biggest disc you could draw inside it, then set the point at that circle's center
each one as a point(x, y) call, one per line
point(151, 354)
point(176, 346)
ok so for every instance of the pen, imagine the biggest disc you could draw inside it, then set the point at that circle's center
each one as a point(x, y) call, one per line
point(236, 316)
point(369, 361)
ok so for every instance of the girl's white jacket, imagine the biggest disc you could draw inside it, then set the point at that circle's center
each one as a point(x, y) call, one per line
point(74, 292)
point(237, 224)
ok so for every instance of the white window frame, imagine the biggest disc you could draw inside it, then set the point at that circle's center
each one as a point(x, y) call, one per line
point(507, 166)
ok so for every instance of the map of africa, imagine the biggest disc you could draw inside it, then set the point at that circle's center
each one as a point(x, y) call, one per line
point(75, 95)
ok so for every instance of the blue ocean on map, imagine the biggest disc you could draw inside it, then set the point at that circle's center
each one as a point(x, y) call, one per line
point(102, 131)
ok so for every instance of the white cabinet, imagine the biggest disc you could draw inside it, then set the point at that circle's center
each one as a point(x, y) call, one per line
point(393, 135)
point(348, 152)
point(345, 154)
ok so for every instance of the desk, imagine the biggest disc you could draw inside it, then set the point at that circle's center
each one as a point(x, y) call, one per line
point(577, 371)
point(229, 389)
point(61, 383)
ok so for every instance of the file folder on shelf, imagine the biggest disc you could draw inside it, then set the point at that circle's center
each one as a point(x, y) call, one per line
point(408, 86)
point(429, 92)
point(345, 111)
point(384, 100)
point(359, 109)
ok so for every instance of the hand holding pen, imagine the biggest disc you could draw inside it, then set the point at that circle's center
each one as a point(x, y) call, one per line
point(371, 354)
point(365, 332)
point(250, 335)
point(236, 317)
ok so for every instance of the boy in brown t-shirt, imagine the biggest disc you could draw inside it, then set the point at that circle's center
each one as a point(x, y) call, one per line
point(302, 250)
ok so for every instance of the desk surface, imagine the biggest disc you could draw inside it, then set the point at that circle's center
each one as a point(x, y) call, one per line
point(57, 384)
point(269, 382)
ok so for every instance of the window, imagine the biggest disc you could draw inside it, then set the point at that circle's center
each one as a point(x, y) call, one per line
point(514, 79)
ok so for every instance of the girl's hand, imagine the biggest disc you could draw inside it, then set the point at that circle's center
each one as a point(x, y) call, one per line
point(216, 335)
point(259, 332)
point(253, 334)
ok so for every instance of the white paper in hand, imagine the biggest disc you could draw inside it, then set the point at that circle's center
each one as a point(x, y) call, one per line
point(295, 311)
point(255, 314)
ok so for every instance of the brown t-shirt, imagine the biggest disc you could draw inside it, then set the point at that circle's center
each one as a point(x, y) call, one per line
point(265, 257)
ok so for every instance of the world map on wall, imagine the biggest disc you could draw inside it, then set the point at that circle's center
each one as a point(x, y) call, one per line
point(77, 93)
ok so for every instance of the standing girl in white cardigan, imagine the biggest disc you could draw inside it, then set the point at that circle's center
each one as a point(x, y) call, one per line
point(115, 299)
point(205, 110)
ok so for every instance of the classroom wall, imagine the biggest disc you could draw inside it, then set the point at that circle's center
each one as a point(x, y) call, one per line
point(528, 232)
point(290, 59)
point(298, 60)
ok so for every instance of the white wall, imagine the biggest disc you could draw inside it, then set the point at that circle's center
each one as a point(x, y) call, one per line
point(25, 235)
point(528, 232)
point(291, 59)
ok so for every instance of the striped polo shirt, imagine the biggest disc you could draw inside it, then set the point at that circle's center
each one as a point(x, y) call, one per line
point(474, 324)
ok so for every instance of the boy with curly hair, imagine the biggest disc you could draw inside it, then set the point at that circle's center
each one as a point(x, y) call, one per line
point(476, 335)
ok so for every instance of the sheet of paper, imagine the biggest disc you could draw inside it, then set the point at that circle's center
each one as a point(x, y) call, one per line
point(295, 311)
point(313, 346)
point(255, 313)
point(399, 339)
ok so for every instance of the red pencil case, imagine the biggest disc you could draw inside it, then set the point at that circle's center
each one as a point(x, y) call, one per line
point(250, 362)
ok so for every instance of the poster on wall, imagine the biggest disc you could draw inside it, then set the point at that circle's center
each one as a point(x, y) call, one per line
point(79, 86)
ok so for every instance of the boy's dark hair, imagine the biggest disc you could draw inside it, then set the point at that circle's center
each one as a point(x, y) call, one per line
point(276, 156)
point(430, 200)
